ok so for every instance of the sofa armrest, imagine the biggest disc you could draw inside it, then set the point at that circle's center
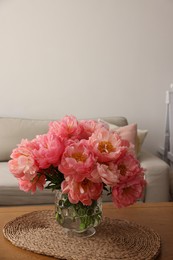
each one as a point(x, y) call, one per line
point(157, 178)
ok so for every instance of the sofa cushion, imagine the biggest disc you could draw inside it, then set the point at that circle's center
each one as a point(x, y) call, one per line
point(12, 130)
point(115, 120)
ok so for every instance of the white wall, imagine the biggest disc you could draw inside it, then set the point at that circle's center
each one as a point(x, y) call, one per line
point(90, 58)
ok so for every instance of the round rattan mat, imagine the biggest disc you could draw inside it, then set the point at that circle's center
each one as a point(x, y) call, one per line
point(114, 239)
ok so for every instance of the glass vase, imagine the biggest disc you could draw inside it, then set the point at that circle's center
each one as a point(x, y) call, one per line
point(77, 219)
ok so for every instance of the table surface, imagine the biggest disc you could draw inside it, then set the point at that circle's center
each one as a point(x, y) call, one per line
point(158, 216)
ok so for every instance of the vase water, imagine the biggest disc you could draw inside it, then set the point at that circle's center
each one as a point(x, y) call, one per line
point(77, 219)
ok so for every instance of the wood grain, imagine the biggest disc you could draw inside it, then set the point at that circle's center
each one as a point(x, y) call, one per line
point(158, 216)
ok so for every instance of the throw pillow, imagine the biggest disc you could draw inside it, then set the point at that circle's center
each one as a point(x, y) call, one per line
point(128, 132)
point(141, 135)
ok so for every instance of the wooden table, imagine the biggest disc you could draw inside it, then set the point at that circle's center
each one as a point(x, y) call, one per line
point(158, 216)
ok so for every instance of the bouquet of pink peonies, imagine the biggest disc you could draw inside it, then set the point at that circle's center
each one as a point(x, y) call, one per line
point(81, 158)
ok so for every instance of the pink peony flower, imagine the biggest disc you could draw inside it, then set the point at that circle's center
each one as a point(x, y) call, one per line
point(77, 160)
point(37, 182)
point(107, 146)
point(126, 193)
point(84, 191)
point(88, 128)
point(106, 173)
point(128, 166)
point(67, 128)
point(23, 162)
point(50, 149)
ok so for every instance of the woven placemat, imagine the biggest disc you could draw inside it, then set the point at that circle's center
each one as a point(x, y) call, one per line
point(114, 239)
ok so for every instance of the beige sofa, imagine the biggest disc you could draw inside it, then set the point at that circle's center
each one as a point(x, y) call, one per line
point(12, 130)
